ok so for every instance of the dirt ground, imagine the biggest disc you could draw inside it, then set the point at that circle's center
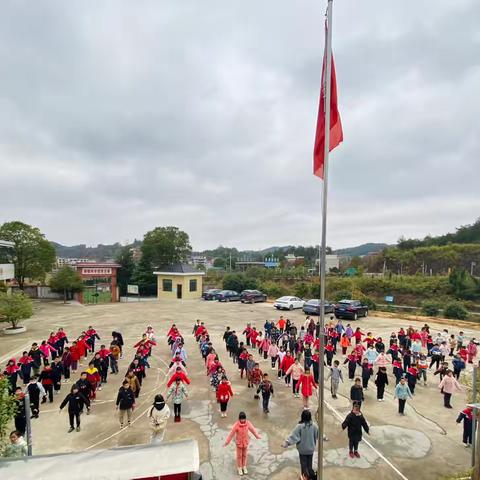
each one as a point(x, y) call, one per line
point(426, 440)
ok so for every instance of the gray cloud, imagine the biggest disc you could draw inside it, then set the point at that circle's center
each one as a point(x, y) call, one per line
point(123, 116)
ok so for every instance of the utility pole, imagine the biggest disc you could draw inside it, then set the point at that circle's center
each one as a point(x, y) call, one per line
point(28, 423)
point(475, 413)
point(323, 246)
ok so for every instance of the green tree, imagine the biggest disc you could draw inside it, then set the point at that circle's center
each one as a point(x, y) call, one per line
point(32, 254)
point(302, 290)
point(66, 280)
point(239, 282)
point(14, 308)
point(456, 310)
point(161, 246)
point(8, 408)
point(356, 262)
point(165, 246)
point(145, 279)
point(464, 285)
point(219, 263)
point(125, 273)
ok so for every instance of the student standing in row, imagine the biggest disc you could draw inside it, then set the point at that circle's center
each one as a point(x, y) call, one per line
point(356, 393)
point(402, 392)
point(35, 390)
point(240, 431)
point(224, 394)
point(466, 416)
point(304, 436)
point(266, 388)
point(335, 375)
point(75, 401)
point(449, 385)
point(295, 371)
point(179, 393)
point(381, 381)
point(307, 384)
point(125, 402)
point(354, 423)
point(159, 415)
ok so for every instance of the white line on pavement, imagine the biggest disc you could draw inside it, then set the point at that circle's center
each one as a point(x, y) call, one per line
point(385, 459)
point(159, 384)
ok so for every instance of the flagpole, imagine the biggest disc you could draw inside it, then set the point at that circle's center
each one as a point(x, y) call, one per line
point(322, 266)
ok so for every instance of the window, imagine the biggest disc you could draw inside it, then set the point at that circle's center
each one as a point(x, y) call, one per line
point(167, 285)
point(193, 285)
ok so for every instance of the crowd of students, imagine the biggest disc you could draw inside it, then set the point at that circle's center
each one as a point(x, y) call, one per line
point(42, 370)
point(411, 354)
point(291, 353)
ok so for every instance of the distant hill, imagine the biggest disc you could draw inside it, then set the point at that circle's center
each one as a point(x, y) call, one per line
point(361, 250)
point(464, 234)
point(100, 253)
point(269, 250)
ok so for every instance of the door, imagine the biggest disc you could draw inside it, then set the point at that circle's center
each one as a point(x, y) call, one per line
point(179, 290)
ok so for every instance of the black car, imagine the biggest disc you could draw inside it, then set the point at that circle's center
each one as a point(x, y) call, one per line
point(351, 309)
point(211, 294)
point(228, 296)
point(312, 307)
point(252, 296)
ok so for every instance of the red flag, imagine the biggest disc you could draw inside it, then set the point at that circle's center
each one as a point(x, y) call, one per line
point(336, 132)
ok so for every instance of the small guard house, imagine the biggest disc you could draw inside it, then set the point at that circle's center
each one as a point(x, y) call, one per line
point(179, 281)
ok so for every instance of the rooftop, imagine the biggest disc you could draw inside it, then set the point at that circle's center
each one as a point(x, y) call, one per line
point(178, 268)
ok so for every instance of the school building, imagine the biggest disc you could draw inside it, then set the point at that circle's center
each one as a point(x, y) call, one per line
point(179, 281)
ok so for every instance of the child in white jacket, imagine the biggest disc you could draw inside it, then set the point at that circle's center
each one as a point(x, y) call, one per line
point(159, 415)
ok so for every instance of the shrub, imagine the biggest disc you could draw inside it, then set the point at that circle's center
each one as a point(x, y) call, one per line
point(273, 289)
point(14, 308)
point(456, 310)
point(430, 309)
point(239, 282)
point(314, 290)
point(342, 294)
point(302, 290)
point(370, 303)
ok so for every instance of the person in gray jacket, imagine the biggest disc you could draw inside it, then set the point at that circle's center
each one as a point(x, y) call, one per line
point(304, 436)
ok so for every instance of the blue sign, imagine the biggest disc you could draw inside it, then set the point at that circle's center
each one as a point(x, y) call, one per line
point(389, 298)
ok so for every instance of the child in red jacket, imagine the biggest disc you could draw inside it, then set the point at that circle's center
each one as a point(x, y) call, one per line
point(224, 393)
point(256, 378)
point(307, 383)
point(178, 374)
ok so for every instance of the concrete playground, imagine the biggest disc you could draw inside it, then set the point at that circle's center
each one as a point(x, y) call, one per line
point(426, 443)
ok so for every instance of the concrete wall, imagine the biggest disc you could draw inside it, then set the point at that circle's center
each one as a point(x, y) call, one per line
point(183, 280)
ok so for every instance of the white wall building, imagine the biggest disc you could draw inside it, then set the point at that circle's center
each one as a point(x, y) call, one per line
point(7, 270)
point(61, 262)
point(331, 261)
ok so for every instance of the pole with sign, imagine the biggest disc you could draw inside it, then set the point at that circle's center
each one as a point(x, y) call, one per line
point(133, 290)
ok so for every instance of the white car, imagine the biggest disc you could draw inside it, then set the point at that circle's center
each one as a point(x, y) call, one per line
point(288, 303)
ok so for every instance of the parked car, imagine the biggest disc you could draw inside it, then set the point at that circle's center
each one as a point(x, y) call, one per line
point(312, 307)
point(228, 296)
point(351, 309)
point(288, 303)
point(252, 296)
point(211, 294)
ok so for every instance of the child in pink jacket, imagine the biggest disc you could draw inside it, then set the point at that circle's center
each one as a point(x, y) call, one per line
point(240, 430)
point(46, 349)
point(273, 353)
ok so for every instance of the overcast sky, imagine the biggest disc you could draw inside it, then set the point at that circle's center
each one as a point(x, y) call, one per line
point(119, 116)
